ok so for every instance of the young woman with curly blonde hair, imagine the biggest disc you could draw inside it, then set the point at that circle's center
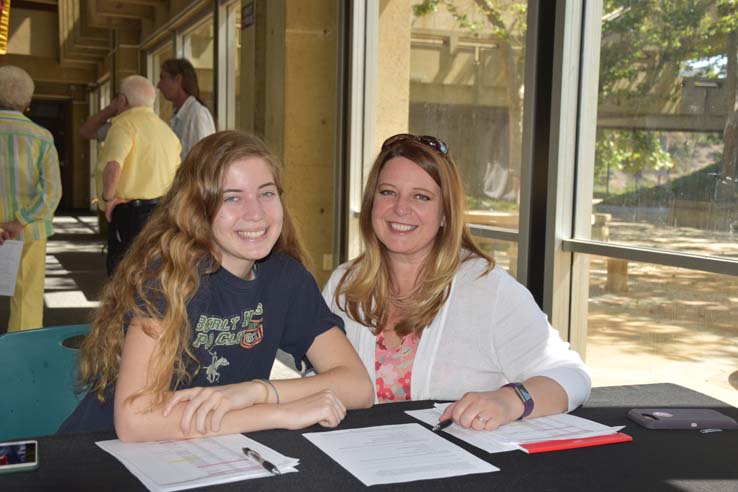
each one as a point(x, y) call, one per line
point(189, 325)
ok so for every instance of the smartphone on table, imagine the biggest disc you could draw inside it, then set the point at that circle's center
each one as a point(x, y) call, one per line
point(682, 418)
point(18, 456)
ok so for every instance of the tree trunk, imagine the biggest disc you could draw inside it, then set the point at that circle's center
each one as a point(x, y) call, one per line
point(726, 187)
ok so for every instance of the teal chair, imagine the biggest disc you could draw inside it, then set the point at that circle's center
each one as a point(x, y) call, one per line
point(37, 377)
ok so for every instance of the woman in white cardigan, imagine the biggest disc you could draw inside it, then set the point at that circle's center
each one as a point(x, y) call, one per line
point(431, 315)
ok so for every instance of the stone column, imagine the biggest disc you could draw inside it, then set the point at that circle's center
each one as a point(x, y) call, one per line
point(289, 96)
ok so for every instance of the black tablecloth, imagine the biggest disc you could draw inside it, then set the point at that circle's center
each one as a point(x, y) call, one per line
point(654, 461)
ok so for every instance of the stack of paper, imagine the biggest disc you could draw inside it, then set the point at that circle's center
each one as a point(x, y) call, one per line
point(561, 431)
point(397, 453)
point(178, 465)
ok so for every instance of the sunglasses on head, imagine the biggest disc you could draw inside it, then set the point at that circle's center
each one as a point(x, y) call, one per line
point(435, 143)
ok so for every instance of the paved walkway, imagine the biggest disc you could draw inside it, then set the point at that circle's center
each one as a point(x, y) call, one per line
point(671, 324)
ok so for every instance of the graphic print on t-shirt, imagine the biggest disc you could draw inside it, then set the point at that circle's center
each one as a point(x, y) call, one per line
point(241, 329)
point(211, 371)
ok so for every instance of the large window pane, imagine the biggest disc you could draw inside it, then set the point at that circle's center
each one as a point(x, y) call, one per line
point(664, 172)
point(163, 107)
point(505, 253)
point(466, 86)
point(199, 50)
point(650, 323)
point(234, 50)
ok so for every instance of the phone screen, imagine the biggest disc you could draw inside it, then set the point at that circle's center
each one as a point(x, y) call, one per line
point(17, 453)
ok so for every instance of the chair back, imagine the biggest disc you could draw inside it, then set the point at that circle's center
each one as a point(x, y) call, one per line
point(37, 377)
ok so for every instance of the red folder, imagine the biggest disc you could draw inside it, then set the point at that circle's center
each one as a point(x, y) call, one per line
point(557, 445)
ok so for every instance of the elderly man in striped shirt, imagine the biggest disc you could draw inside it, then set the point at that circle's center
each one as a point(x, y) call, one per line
point(30, 189)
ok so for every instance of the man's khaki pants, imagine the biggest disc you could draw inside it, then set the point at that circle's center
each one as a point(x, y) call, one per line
point(27, 303)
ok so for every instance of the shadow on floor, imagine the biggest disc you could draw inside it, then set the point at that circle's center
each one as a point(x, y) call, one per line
point(75, 272)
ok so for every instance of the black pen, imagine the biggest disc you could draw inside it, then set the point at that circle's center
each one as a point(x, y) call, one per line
point(264, 463)
point(442, 425)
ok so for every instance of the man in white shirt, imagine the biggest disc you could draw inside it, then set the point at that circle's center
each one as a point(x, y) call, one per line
point(191, 121)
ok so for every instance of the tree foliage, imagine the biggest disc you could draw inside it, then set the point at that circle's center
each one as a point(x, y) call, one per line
point(643, 39)
point(646, 46)
point(504, 19)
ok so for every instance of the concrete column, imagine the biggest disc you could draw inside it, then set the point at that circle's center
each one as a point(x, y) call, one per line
point(288, 94)
point(392, 106)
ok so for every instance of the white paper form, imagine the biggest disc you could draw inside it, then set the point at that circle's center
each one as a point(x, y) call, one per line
point(397, 453)
point(178, 465)
point(10, 254)
point(510, 436)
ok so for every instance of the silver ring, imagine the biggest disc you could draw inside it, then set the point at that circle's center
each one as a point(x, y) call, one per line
point(482, 419)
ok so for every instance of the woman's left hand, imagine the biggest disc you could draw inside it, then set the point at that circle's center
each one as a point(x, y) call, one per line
point(486, 410)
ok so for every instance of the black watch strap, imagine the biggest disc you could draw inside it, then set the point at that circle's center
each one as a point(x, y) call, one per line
point(524, 397)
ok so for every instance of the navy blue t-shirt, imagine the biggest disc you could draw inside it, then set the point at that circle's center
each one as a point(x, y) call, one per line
point(237, 327)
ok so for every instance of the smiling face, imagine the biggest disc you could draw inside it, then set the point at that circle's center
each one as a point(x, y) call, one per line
point(407, 210)
point(249, 221)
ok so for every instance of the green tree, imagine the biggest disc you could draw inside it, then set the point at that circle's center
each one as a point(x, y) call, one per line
point(645, 47)
point(505, 20)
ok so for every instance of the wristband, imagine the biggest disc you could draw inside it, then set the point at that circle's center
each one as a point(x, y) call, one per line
point(524, 397)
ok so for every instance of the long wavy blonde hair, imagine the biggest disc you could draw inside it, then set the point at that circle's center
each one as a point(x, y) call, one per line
point(366, 286)
point(166, 262)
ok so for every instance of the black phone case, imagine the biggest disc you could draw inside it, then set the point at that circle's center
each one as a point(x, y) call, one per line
point(681, 418)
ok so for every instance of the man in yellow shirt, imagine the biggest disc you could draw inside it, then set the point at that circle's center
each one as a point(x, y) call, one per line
point(136, 165)
point(30, 189)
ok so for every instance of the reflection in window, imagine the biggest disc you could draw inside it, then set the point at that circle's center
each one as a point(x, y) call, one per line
point(667, 142)
point(198, 49)
point(466, 86)
point(650, 323)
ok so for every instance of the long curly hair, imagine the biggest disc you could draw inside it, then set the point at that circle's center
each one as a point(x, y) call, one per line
point(366, 286)
point(166, 262)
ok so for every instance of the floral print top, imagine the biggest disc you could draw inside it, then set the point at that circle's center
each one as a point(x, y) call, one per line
point(393, 367)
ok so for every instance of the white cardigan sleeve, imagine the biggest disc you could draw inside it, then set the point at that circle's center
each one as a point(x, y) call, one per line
point(526, 345)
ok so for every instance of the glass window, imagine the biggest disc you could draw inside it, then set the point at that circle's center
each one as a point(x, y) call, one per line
point(163, 107)
point(95, 104)
point(661, 175)
point(466, 86)
point(199, 50)
point(229, 71)
point(455, 69)
point(505, 253)
point(650, 323)
point(664, 172)
point(234, 66)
